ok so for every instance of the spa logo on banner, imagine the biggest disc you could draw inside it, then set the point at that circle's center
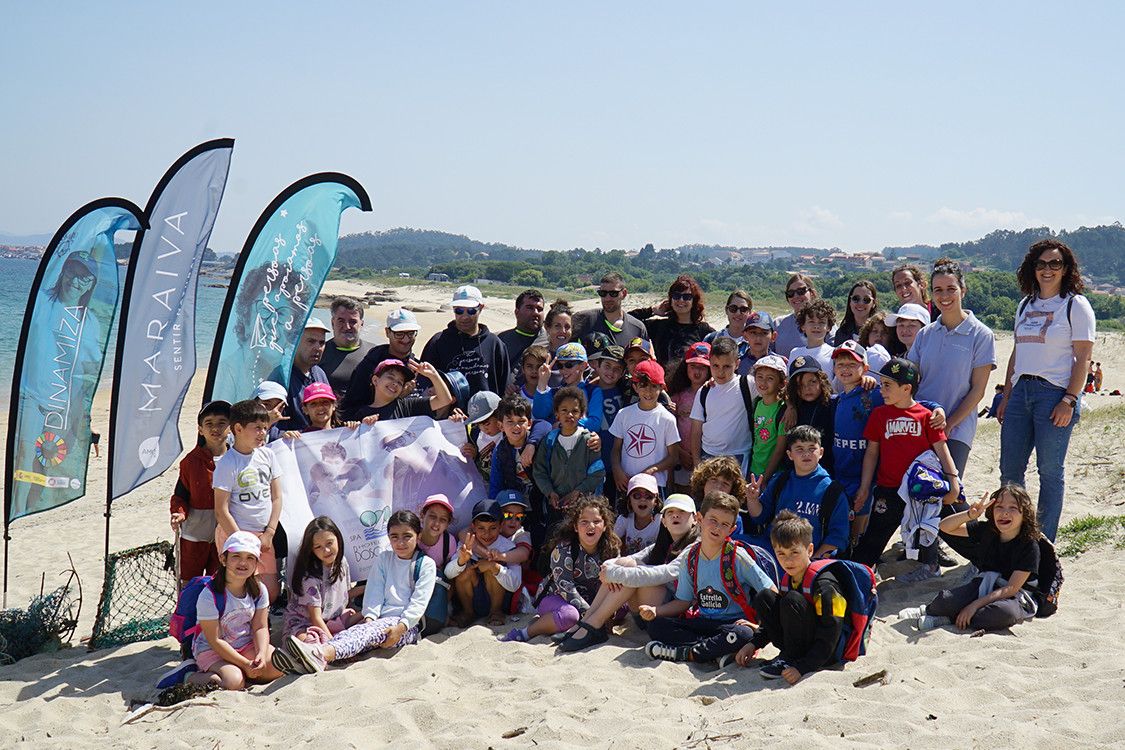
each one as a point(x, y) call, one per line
point(277, 280)
point(63, 340)
point(358, 477)
point(156, 343)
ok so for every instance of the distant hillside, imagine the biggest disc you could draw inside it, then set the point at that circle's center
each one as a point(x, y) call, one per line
point(24, 240)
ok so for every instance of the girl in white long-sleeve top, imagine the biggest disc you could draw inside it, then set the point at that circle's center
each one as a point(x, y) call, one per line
point(399, 586)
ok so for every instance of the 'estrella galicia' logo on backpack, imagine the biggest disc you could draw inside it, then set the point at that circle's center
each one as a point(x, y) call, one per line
point(903, 426)
point(710, 598)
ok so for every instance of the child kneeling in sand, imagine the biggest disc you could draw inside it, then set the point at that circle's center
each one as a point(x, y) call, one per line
point(233, 645)
point(399, 586)
point(719, 579)
point(483, 585)
point(581, 543)
point(1005, 551)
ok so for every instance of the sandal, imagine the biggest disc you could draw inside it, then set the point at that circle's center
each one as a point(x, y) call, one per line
point(593, 637)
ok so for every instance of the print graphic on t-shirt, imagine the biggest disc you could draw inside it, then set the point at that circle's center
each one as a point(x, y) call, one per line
point(711, 598)
point(249, 478)
point(903, 426)
point(641, 441)
point(1033, 327)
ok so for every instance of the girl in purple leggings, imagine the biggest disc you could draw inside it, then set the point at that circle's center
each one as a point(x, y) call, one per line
point(579, 546)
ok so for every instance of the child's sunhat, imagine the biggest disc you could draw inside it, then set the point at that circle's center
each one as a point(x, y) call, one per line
point(804, 363)
point(268, 389)
point(571, 352)
point(438, 499)
point(698, 354)
point(649, 370)
point(243, 541)
point(481, 406)
point(512, 497)
point(909, 311)
point(852, 349)
point(645, 482)
point(678, 501)
point(774, 362)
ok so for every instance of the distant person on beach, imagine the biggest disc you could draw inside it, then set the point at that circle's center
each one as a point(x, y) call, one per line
point(305, 371)
point(1054, 339)
point(861, 304)
point(529, 322)
point(1098, 378)
point(401, 330)
point(799, 291)
point(676, 322)
point(1090, 379)
point(95, 441)
point(467, 346)
point(611, 319)
point(346, 349)
point(990, 412)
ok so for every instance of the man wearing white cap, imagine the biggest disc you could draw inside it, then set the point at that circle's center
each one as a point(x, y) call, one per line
point(401, 331)
point(469, 347)
point(305, 371)
point(346, 349)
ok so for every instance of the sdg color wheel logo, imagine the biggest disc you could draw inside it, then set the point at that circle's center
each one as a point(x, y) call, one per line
point(50, 449)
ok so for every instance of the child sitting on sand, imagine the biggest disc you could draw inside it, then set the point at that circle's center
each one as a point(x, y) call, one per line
point(398, 590)
point(483, 586)
point(318, 601)
point(579, 546)
point(1005, 551)
point(638, 528)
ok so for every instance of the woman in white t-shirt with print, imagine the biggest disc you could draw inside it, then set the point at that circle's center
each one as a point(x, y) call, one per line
point(1054, 340)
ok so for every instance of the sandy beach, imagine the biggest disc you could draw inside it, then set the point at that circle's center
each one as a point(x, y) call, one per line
point(1045, 684)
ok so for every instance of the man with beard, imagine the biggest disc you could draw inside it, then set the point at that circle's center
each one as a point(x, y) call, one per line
point(468, 347)
point(346, 349)
point(529, 321)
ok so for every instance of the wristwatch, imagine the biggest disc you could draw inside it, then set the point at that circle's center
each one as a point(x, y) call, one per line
point(1070, 399)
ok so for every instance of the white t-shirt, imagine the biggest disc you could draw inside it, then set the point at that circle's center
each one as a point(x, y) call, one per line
point(822, 354)
point(632, 539)
point(483, 441)
point(726, 431)
point(646, 437)
point(238, 612)
point(247, 479)
point(1044, 339)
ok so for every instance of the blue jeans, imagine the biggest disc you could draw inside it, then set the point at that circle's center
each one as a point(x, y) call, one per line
point(1028, 425)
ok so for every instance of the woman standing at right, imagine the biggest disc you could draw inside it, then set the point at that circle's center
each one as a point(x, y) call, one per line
point(1054, 339)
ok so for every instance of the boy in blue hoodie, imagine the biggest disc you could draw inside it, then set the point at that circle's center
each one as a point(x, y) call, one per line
point(806, 490)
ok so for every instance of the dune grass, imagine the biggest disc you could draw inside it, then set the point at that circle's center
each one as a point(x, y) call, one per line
point(1087, 532)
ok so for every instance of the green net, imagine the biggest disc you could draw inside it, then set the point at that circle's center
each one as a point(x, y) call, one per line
point(138, 596)
point(46, 625)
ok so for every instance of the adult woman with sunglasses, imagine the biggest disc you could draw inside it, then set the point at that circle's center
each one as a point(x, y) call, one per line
point(799, 291)
point(1053, 344)
point(739, 306)
point(862, 303)
point(681, 323)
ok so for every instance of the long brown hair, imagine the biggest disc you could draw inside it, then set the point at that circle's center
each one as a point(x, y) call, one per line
point(918, 276)
point(1072, 277)
point(1029, 529)
point(848, 323)
point(609, 546)
point(685, 283)
point(308, 564)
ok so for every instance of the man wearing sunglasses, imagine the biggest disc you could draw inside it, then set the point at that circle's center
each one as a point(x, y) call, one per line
point(401, 331)
point(611, 319)
point(467, 346)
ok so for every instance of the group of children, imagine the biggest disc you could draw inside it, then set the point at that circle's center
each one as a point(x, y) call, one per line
point(746, 507)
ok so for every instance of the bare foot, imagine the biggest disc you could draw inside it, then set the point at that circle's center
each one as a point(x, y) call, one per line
point(496, 618)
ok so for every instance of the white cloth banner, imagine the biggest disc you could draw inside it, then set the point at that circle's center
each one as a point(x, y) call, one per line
point(359, 477)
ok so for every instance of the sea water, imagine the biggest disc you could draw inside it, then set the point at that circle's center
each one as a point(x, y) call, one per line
point(16, 276)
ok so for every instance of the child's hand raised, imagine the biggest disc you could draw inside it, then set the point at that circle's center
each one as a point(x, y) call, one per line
point(545, 370)
point(465, 553)
point(647, 612)
point(754, 486)
point(977, 509)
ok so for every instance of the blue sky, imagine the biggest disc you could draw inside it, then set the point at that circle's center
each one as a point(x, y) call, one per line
point(582, 124)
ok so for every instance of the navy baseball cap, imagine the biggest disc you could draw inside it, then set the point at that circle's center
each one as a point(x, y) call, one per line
point(486, 509)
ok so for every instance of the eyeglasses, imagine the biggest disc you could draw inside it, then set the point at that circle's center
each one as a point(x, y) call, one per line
point(404, 335)
point(681, 296)
point(614, 293)
point(1055, 264)
point(510, 516)
point(861, 300)
point(569, 365)
point(465, 310)
point(738, 310)
point(798, 292)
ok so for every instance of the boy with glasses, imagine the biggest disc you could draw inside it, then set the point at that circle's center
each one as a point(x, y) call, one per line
point(401, 331)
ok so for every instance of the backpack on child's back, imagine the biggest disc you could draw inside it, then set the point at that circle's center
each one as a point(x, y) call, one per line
point(184, 623)
point(857, 582)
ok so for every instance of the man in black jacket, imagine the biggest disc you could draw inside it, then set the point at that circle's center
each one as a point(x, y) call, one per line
point(469, 347)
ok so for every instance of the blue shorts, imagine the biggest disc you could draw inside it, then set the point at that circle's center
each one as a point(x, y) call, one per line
point(482, 603)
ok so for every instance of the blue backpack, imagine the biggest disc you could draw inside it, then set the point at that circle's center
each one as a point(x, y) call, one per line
point(857, 581)
point(437, 610)
point(184, 624)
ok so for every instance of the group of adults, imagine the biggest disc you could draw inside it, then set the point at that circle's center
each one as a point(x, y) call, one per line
point(1045, 376)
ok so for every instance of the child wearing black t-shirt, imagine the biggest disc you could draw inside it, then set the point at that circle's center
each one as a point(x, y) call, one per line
point(1005, 548)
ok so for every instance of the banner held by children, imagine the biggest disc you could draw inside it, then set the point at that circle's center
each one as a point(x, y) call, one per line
point(358, 477)
point(282, 266)
point(156, 338)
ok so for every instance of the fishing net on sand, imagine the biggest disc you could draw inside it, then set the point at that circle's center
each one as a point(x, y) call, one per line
point(46, 625)
point(138, 596)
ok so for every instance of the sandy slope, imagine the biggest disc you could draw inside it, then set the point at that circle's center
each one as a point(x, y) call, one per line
point(1050, 683)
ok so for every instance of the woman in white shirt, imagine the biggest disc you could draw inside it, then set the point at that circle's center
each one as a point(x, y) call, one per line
point(1054, 340)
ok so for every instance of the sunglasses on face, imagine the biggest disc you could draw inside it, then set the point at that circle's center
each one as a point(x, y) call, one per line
point(798, 292)
point(569, 365)
point(738, 310)
point(861, 300)
point(681, 296)
point(1054, 264)
point(465, 310)
point(614, 293)
point(510, 516)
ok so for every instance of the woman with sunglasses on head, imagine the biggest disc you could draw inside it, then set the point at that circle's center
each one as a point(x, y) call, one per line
point(799, 291)
point(862, 303)
point(1053, 344)
point(681, 322)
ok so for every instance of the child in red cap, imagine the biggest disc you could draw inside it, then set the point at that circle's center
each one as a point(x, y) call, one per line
point(645, 433)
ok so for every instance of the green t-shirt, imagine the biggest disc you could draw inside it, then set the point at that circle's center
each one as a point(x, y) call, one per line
point(767, 426)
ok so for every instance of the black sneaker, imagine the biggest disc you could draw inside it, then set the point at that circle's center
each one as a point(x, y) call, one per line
point(772, 670)
point(944, 558)
point(658, 650)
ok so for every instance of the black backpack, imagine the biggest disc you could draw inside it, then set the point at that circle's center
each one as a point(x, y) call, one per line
point(747, 399)
point(1046, 594)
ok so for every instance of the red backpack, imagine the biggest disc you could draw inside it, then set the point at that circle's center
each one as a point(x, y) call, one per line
point(857, 582)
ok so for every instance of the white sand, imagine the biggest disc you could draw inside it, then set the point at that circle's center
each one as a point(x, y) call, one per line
point(1051, 683)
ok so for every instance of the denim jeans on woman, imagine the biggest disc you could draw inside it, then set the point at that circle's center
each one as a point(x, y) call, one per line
point(1027, 425)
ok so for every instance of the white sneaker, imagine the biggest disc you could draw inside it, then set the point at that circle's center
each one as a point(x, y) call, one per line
point(306, 654)
point(912, 613)
point(929, 622)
